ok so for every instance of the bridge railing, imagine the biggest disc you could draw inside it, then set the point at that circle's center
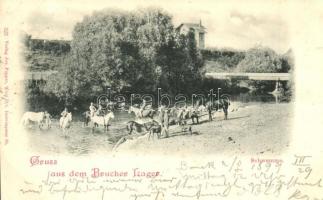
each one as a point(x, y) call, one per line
point(250, 76)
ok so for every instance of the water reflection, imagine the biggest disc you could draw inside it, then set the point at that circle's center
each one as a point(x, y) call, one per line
point(256, 98)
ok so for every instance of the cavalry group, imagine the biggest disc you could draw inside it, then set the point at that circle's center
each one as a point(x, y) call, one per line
point(43, 119)
point(154, 121)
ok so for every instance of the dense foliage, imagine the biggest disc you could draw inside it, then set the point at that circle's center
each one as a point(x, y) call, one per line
point(263, 60)
point(128, 51)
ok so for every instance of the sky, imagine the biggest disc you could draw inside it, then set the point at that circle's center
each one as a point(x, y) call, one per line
point(229, 24)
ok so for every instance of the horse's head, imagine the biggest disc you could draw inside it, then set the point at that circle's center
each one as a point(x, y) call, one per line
point(47, 115)
point(42, 114)
point(110, 115)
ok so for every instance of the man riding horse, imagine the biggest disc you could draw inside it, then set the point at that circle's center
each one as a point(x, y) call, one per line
point(92, 109)
point(64, 113)
point(145, 110)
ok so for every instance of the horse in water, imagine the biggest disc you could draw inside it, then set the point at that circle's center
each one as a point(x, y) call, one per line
point(102, 120)
point(142, 113)
point(65, 122)
point(36, 117)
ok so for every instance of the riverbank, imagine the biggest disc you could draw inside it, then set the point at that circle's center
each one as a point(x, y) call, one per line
point(254, 128)
point(251, 129)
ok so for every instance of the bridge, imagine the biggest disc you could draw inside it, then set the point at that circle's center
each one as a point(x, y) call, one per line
point(250, 76)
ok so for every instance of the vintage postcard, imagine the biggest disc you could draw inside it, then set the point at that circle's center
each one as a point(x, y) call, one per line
point(161, 100)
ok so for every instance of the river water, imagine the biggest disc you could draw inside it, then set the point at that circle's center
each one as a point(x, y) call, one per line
point(80, 140)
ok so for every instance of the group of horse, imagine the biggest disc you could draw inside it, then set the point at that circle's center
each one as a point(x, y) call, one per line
point(40, 118)
point(153, 121)
point(43, 119)
point(158, 121)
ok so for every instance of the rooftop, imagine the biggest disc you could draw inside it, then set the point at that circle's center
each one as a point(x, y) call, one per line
point(196, 26)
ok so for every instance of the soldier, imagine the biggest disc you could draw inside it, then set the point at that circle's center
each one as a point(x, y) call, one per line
point(225, 104)
point(92, 109)
point(64, 113)
point(142, 107)
point(166, 122)
point(209, 109)
point(100, 111)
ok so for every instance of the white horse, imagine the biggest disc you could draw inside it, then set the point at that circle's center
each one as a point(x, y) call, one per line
point(147, 112)
point(102, 120)
point(134, 110)
point(37, 117)
point(201, 109)
point(65, 122)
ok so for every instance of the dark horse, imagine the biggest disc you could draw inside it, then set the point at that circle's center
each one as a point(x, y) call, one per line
point(216, 105)
point(194, 114)
point(133, 125)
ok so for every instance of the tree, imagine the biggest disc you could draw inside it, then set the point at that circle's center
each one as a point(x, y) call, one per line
point(260, 60)
point(136, 51)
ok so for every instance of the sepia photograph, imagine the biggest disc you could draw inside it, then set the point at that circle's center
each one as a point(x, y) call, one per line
point(152, 79)
point(161, 100)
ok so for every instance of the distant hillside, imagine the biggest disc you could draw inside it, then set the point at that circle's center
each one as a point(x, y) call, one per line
point(44, 54)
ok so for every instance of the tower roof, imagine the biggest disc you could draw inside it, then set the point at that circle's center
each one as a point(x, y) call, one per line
point(199, 27)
